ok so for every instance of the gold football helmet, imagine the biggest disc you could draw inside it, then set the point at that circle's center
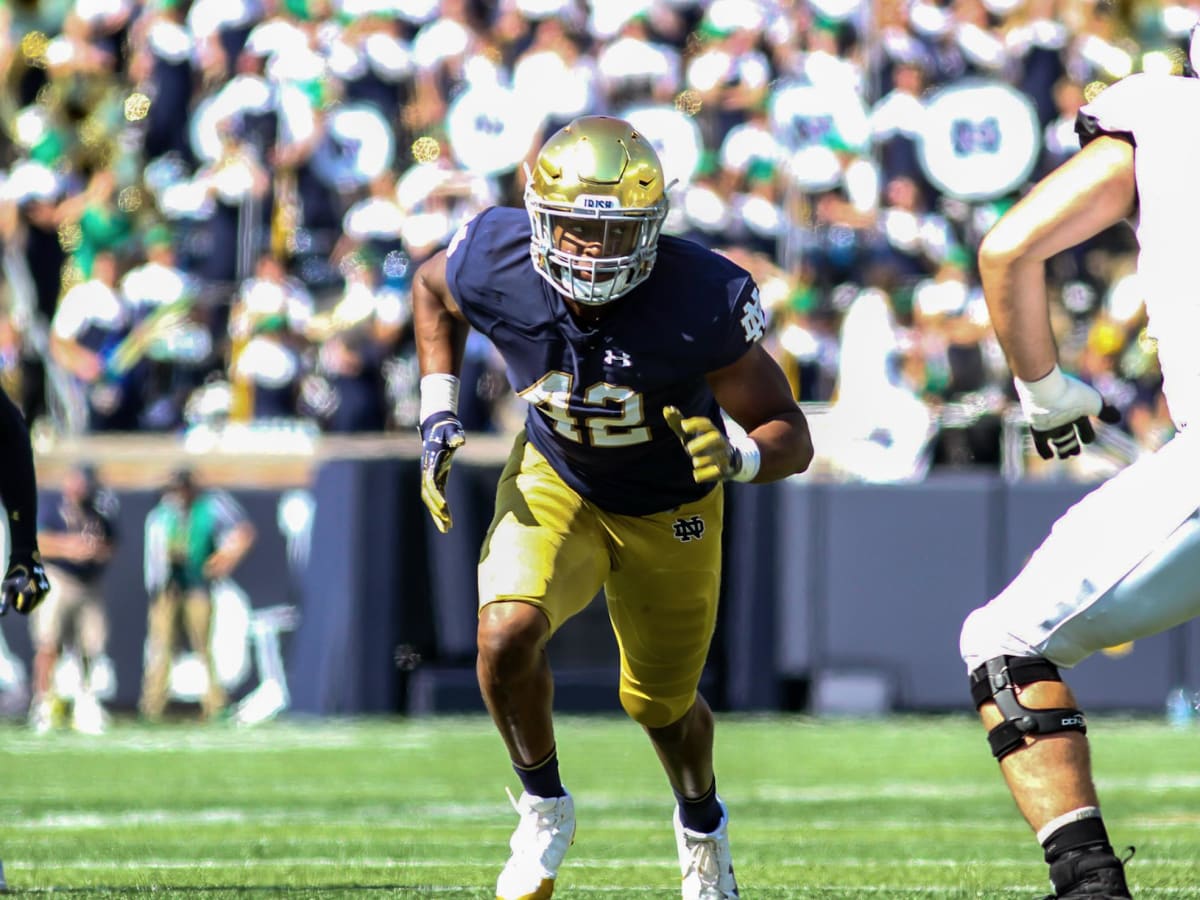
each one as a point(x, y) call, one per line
point(596, 201)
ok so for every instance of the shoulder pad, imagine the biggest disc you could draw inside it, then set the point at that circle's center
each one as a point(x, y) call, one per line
point(1119, 110)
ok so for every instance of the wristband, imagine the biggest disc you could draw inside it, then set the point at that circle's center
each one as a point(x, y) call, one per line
point(750, 457)
point(1045, 393)
point(439, 391)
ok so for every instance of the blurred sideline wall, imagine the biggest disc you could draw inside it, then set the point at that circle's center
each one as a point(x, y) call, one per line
point(836, 597)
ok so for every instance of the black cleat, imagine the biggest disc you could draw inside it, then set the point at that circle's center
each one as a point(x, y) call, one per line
point(1088, 874)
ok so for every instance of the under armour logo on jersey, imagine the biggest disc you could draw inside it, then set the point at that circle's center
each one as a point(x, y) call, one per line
point(689, 529)
point(753, 319)
point(618, 358)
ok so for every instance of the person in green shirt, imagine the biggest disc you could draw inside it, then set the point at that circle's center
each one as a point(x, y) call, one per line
point(194, 537)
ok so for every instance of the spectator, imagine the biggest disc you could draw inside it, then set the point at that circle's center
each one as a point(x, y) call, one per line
point(912, 240)
point(266, 328)
point(373, 64)
point(635, 69)
point(897, 120)
point(374, 222)
point(93, 318)
point(1059, 140)
point(553, 74)
point(194, 537)
point(163, 300)
point(163, 68)
point(33, 212)
point(1036, 38)
point(963, 368)
point(78, 537)
point(103, 226)
point(730, 73)
point(354, 338)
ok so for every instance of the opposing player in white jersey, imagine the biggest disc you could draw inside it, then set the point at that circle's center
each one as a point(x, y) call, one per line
point(1122, 563)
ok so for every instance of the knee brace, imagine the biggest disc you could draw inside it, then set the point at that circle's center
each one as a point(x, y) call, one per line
point(996, 680)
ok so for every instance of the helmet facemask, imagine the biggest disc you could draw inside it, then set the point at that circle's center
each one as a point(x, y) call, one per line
point(565, 237)
point(596, 202)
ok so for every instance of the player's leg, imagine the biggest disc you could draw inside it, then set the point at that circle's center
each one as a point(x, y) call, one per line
point(540, 564)
point(161, 621)
point(662, 599)
point(1012, 648)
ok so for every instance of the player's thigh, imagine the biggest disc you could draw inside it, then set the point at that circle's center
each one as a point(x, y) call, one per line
point(1093, 547)
point(662, 599)
point(1055, 609)
point(1161, 592)
point(545, 545)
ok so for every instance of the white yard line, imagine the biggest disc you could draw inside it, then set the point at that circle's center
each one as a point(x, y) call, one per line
point(575, 862)
point(310, 862)
point(407, 820)
point(186, 741)
point(420, 812)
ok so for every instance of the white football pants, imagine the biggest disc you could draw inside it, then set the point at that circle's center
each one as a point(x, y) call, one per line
point(1122, 563)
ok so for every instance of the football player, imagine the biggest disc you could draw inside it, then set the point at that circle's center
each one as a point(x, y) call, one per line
point(628, 347)
point(1121, 564)
point(25, 584)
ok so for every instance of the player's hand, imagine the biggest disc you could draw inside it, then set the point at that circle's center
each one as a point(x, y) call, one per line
point(441, 434)
point(713, 458)
point(25, 583)
point(1058, 409)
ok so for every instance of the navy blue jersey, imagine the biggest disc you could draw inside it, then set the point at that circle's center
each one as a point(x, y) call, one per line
point(596, 392)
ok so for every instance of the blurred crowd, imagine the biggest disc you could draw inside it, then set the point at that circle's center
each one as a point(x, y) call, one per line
point(211, 210)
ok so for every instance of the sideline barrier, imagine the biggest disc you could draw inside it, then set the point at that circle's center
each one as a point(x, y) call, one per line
point(826, 588)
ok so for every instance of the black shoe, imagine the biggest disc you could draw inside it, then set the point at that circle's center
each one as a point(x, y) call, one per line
point(1088, 874)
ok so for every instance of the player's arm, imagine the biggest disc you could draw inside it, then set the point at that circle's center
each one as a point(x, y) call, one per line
point(440, 330)
point(24, 584)
point(1092, 191)
point(756, 394)
point(439, 326)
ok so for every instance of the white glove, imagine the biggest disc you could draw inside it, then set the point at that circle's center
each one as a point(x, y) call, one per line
point(1057, 408)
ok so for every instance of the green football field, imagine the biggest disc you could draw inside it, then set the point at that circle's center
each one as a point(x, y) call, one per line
point(902, 807)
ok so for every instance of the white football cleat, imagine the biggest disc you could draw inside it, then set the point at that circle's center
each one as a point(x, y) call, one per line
point(706, 861)
point(88, 716)
point(546, 830)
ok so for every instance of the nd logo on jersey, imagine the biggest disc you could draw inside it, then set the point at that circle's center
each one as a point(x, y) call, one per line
point(754, 320)
point(689, 529)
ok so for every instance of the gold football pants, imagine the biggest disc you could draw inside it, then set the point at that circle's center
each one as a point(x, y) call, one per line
point(661, 575)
